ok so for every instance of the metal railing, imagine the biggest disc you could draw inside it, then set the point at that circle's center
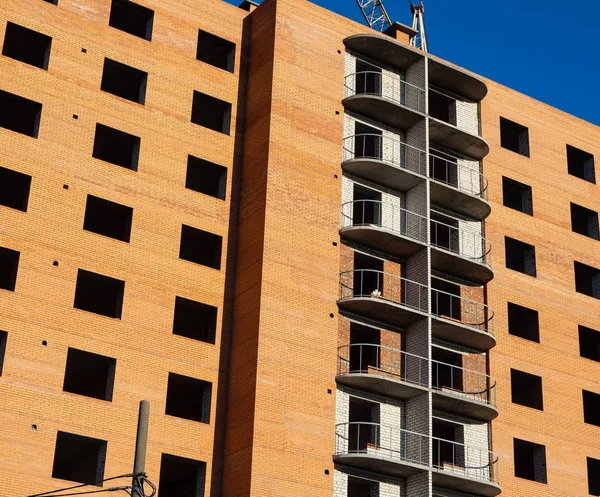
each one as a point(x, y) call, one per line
point(464, 242)
point(392, 442)
point(465, 311)
point(385, 215)
point(371, 358)
point(385, 287)
point(386, 85)
point(461, 114)
point(387, 149)
point(453, 173)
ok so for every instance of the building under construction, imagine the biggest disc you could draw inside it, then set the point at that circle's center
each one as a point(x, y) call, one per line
point(333, 263)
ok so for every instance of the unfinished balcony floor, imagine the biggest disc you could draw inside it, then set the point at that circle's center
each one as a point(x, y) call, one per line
point(381, 310)
point(461, 334)
point(463, 404)
point(382, 239)
point(453, 480)
point(453, 138)
point(454, 199)
point(383, 110)
point(460, 266)
point(383, 173)
point(384, 49)
point(379, 464)
point(381, 384)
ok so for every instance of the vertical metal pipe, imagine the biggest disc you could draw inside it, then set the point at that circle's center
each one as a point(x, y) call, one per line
point(141, 441)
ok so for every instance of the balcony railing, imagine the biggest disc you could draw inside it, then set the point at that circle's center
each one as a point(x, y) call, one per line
point(387, 149)
point(382, 286)
point(391, 442)
point(451, 172)
point(460, 241)
point(388, 86)
point(463, 311)
point(385, 215)
point(398, 365)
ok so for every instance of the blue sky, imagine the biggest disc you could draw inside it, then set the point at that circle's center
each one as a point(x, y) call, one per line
point(547, 49)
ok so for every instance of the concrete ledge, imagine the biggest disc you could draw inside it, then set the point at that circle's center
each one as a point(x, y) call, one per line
point(383, 110)
point(458, 140)
point(382, 239)
point(383, 173)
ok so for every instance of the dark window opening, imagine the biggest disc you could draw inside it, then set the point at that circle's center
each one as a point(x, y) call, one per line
point(366, 206)
point(368, 275)
point(530, 460)
point(581, 164)
point(520, 256)
point(79, 459)
point(584, 221)
point(195, 320)
point(181, 477)
point(89, 374)
point(188, 398)
point(359, 487)
point(27, 46)
point(447, 450)
point(593, 472)
point(124, 81)
point(9, 266)
point(523, 322)
point(116, 147)
point(53, 2)
point(210, 112)
point(362, 432)
point(444, 232)
point(445, 299)
point(447, 369)
point(589, 343)
point(201, 247)
point(215, 51)
point(99, 294)
point(108, 218)
point(20, 114)
point(587, 280)
point(591, 408)
point(517, 196)
point(443, 167)
point(364, 350)
point(131, 18)
point(526, 389)
point(367, 141)
point(206, 177)
point(14, 189)
point(441, 107)
point(3, 340)
point(368, 78)
point(514, 137)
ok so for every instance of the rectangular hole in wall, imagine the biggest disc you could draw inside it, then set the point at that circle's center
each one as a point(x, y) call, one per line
point(366, 206)
point(80, 459)
point(14, 189)
point(593, 474)
point(124, 81)
point(584, 221)
point(447, 450)
point(20, 114)
point(3, 341)
point(581, 164)
point(517, 196)
point(526, 389)
point(520, 256)
point(367, 141)
point(201, 247)
point(368, 78)
point(210, 112)
point(443, 167)
point(444, 232)
point(181, 477)
point(188, 398)
point(440, 106)
point(587, 280)
point(89, 374)
point(523, 322)
point(9, 266)
point(591, 408)
point(362, 355)
point(25, 45)
point(530, 460)
point(589, 343)
point(99, 294)
point(446, 369)
point(361, 416)
point(359, 487)
point(514, 137)
point(195, 320)
point(368, 275)
point(53, 2)
point(132, 18)
point(445, 299)
point(206, 177)
point(215, 51)
point(117, 147)
point(108, 218)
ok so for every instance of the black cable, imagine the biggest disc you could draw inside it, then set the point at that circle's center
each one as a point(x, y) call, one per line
point(110, 489)
point(48, 494)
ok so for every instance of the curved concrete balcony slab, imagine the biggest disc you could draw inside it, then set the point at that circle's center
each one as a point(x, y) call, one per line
point(452, 479)
point(383, 297)
point(383, 110)
point(382, 370)
point(463, 404)
point(455, 264)
point(461, 141)
point(460, 201)
point(456, 80)
point(384, 49)
point(379, 464)
point(462, 334)
point(384, 160)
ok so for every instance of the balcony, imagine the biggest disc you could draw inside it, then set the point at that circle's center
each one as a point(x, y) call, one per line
point(384, 160)
point(383, 297)
point(384, 49)
point(402, 453)
point(385, 98)
point(456, 80)
point(460, 252)
point(454, 125)
point(462, 321)
point(382, 370)
point(384, 226)
point(458, 187)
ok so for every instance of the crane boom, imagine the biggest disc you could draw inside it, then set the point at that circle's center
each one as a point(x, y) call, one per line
point(375, 14)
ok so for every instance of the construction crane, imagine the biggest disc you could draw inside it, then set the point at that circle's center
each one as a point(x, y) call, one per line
point(378, 19)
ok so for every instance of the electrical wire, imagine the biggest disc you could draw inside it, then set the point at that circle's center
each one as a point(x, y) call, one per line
point(140, 481)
